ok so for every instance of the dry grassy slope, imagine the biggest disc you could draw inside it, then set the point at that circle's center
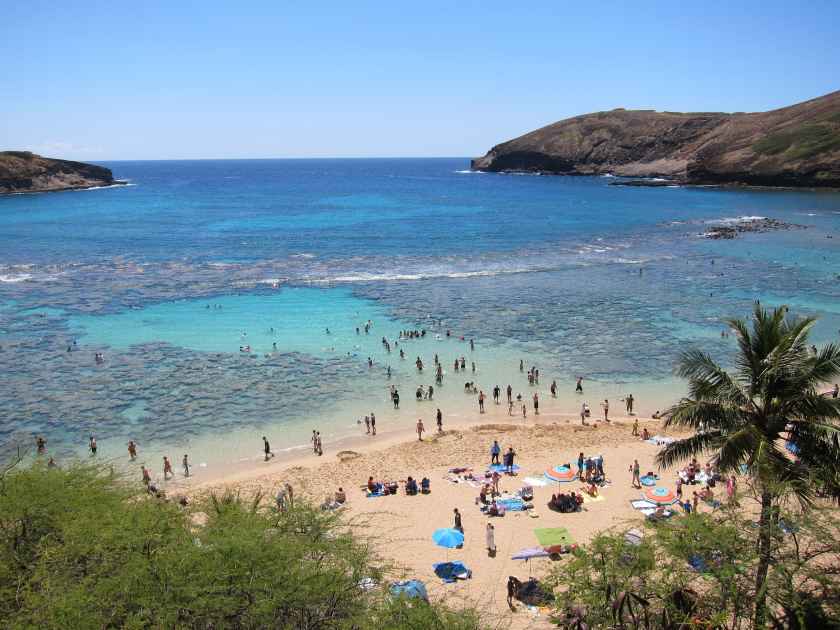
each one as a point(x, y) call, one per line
point(793, 146)
point(22, 171)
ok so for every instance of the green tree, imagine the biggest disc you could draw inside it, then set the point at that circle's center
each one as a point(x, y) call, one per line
point(744, 417)
point(80, 548)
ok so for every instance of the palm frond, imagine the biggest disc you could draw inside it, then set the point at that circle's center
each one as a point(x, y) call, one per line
point(693, 446)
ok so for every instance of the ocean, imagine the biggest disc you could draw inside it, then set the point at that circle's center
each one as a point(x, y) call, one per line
point(210, 286)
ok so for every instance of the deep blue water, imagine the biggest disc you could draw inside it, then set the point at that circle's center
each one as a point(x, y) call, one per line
point(583, 277)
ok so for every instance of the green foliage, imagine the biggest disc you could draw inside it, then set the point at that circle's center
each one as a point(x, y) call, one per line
point(699, 571)
point(808, 140)
point(80, 549)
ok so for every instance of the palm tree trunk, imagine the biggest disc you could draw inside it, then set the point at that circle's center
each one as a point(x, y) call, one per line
point(764, 532)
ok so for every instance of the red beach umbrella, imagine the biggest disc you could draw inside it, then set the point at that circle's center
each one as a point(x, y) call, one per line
point(660, 495)
point(560, 473)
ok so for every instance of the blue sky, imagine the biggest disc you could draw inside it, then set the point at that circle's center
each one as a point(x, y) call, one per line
point(146, 80)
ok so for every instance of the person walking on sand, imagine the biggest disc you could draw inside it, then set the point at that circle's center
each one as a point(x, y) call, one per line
point(420, 429)
point(167, 468)
point(606, 407)
point(580, 464)
point(635, 427)
point(536, 404)
point(267, 449)
point(439, 421)
point(490, 538)
point(495, 451)
point(319, 448)
point(481, 402)
point(634, 468)
point(314, 440)
point(372, 423)
point(524, 411)
point(458, 525)
point(510, 407)
point(579, 386)
point(186, 464)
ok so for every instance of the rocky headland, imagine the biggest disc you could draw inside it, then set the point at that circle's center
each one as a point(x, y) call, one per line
point(796, 146)
point(25, 172)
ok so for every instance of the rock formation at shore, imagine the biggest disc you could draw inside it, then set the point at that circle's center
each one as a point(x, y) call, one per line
point(797, 146)
point(22, 171)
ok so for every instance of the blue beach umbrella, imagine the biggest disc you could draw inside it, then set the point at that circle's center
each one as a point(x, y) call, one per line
point(448, 537)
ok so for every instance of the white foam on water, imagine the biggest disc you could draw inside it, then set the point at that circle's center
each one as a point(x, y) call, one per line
point(733, 220)
point(15, 278)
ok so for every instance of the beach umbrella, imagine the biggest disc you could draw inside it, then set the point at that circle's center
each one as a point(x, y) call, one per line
point(660, 495)
point(560, 473)
point(448, 537)
point(527, 554)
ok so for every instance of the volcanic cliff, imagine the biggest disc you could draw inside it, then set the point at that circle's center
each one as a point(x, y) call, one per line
point(796, 146)
point(22, 171)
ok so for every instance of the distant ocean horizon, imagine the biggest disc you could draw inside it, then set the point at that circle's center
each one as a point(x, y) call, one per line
point(187, 279)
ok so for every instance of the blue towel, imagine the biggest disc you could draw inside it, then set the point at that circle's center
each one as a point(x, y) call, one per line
point(511, 505)
point(451, 571)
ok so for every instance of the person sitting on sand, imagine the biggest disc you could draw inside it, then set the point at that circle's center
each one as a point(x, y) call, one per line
point(707, 494)
point(410, 486)
point(591, 489)
point(482, 494)
point(425, 485)
point(645, 434)
point(656, 415)
point(341, 497)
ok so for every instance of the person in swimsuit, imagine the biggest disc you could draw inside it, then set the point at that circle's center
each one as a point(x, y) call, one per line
point(420, 429)
point(579, 386)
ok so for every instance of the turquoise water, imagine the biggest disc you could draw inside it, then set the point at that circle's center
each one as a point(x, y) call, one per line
point(571, 275)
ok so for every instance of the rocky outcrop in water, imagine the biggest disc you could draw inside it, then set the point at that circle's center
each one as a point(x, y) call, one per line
point(730, 231)
point(797, 146)
point(22, 171)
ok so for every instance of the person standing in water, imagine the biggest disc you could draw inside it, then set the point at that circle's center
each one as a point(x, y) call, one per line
point(579, 386)
point(92, 445)
point(628, 401)
point(41, 443)
point(132, 450)
point(186, 464)
point(372, 423)
point(606, 407)
point(267, 449)
point(536, 404)
point(439, 421)
point(481, 402)
point(420, 429)
point(167, 468)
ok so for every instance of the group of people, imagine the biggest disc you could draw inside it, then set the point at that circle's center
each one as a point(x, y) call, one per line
point(391, 487)
point(566, 503)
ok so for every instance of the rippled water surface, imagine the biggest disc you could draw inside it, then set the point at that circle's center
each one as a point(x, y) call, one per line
point(169, 277)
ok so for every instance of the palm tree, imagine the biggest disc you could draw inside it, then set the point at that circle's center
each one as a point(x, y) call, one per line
point(744, 417)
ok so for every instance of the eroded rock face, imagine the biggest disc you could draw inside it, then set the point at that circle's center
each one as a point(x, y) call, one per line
point(797, 146)
point(22, 171)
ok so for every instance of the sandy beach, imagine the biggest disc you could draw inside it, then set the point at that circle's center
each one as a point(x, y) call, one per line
point(400, 527)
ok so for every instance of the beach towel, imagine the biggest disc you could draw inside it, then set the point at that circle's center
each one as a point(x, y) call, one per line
point(372, 495)
point(660, 440)
point(648, 480)
point(535, 482)
point(513, 504)
point(451, 571)
point(550, 536)
point(590, 499)
point(410, 589)
point(641, 504)
point(501, 468)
